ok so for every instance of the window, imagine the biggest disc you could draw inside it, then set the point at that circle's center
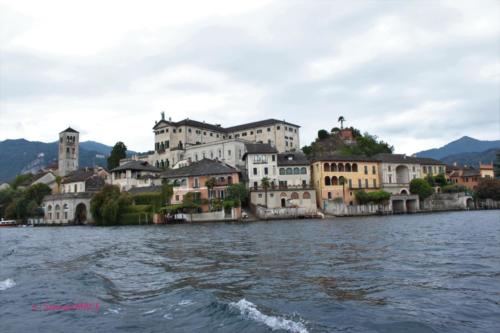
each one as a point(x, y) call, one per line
point(174, 130)
point(176, 197)
point(374, 183)
point(259, 131)
point(180, 130)
point(294, 196)
point(274, 158)
point(389, 168)
point(260, 195)
point(366, 183)
point(329, 195)
point(189, 130)
point(374, 170)
point(255, 185)
point(211, 134)
point(204, 133)
point(251, 132)
point(350, 183)
point(390, 179)
point(359, 183)
point(296, 171)
point(366, 169)
point(269, 129)
point(289, 171)
point(282, 171)
point(266, 171)
point(303, 170)
point(229, 152)
point(255, 171)
point(220, 153)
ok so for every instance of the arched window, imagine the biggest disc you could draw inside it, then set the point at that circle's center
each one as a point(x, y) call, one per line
point(326, 167)
point(334, 167)
point(289, 171)
point(58, 207)
point(341, 167)
point(157, 164)
point(295, 196)
point(303, 170)
point(327, 181)
point(167, 163)
point(335, 181)
point(282, 171)
point(348, 167)
point(65, 207)
point(162, 163)
point(342, 180)
point(283, 194)
point(306, 195)
point(296, 171)
point(354, 167)
point(49, 208)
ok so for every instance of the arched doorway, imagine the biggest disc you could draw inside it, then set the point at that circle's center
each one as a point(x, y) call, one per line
point(80, 213)
point(283, 202)
point(404, 192)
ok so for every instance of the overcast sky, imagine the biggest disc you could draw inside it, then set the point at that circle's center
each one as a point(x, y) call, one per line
point(416, 73)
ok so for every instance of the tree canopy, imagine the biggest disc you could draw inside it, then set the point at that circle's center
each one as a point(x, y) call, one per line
point(118, 152)
point(109, 204)
point(421, 188)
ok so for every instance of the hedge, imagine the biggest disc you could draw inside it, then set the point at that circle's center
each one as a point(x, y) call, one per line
point(154, 199)
point(139, 209)
point(134, 218)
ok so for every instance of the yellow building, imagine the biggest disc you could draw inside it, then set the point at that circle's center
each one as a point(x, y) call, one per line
point(339, 177)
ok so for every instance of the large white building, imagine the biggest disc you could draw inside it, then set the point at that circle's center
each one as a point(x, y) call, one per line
point(190, 139)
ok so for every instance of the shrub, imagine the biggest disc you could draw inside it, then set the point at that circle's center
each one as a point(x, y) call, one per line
point(376, 197)
point(323, 134)
point(454, 188)
point(421, 188)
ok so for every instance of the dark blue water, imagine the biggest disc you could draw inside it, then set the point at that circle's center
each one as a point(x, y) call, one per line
point(417, 273)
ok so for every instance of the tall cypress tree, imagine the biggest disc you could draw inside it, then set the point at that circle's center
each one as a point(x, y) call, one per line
point(118, 152)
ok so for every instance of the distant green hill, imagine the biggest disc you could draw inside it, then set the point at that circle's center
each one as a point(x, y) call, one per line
point(21, 155)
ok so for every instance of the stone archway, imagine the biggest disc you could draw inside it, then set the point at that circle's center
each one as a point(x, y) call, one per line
point(403, 192)
point(80, 213)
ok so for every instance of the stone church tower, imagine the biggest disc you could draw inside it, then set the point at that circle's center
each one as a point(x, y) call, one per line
point(69, 151)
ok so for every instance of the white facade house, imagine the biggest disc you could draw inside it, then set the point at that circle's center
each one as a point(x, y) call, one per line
point(261, 160)
point(294, 170)
point(397, 171)
point(135, 174)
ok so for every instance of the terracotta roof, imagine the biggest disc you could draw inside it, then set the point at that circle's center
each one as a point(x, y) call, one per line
point(137, 166)
point(205, 167)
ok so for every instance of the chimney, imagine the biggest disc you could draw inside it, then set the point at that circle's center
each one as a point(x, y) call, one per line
point(170, 119)
point(163, 115)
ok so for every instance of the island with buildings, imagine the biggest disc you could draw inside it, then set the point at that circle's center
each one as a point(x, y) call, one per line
point(255, 170)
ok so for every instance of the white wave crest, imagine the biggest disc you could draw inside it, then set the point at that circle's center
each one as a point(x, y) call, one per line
point(249, 310)
point(6, 284)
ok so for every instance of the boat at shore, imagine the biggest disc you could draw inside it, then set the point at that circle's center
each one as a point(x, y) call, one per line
point(8, 223)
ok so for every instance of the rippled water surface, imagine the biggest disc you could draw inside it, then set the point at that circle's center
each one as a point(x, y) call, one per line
point(417, 273)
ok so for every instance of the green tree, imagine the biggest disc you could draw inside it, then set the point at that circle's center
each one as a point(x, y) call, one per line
point(496, 165)
point(368, 145)
point(118, 152)
point(37, 192)
point(307, 150)
point(20, 179)
point(237, 192)
point(109, 204)
point(323, 134)
point(335, 130)
point(488, 188)
point(440, 180)
point(167, 191)
point(421, 188)
point(376, 197)
point(430, 179)
point(210, 184)
point(265, 183)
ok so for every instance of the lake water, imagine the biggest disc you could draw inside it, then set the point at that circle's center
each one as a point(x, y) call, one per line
point(415, 273)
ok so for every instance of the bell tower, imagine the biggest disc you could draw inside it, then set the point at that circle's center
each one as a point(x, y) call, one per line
point(69, 151)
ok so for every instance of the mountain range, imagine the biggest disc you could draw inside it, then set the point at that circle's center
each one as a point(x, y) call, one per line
point(21, 156)
point(465, 144)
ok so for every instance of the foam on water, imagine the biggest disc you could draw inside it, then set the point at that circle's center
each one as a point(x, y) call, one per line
point(6, 284)
point(150, 311)
point(249, 310)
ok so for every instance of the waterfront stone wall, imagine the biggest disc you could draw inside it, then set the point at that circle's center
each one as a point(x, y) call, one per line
point(341, 209)
point(283, 213)
point(448, 201)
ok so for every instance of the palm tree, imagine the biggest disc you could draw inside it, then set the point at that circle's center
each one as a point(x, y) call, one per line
point(210, 184)
point(342, 182)
point(341, 121)
point(265, 183)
